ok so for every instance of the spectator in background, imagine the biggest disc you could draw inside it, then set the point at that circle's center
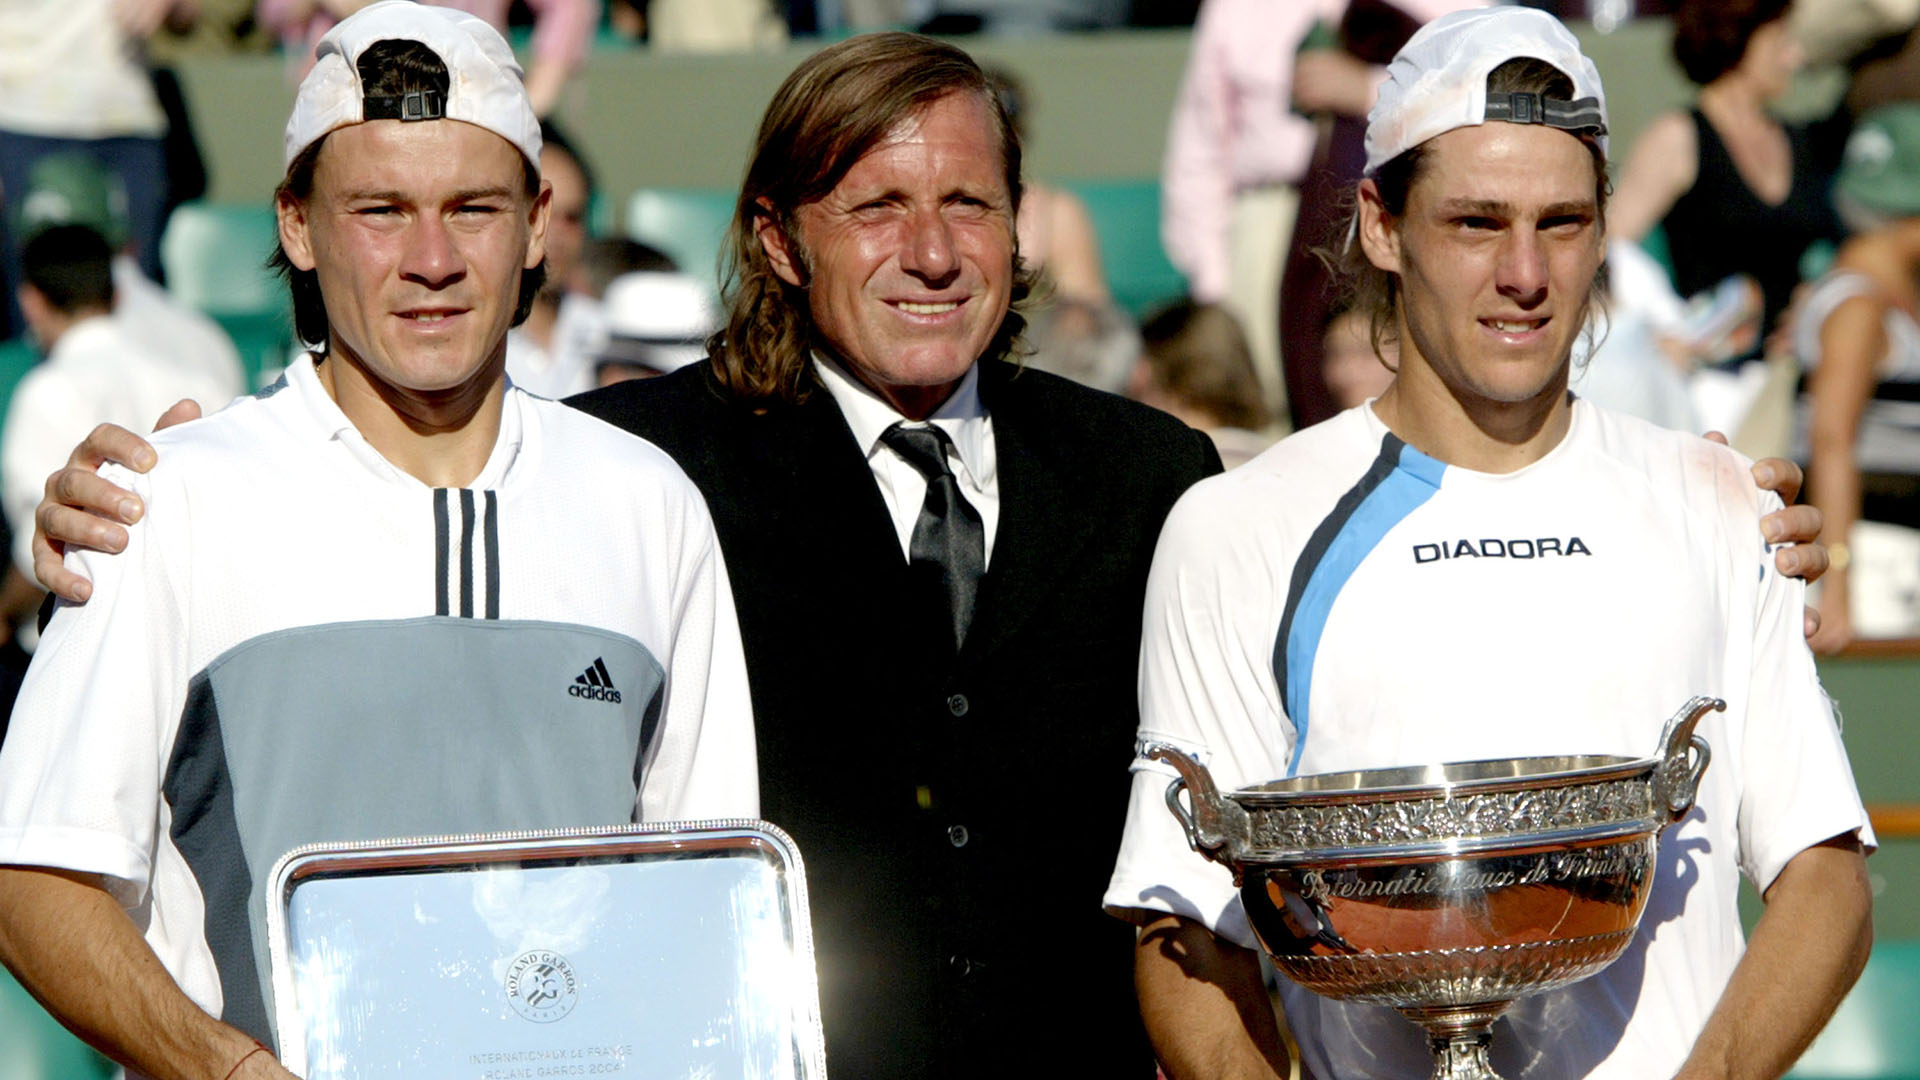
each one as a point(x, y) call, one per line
point(1856, 336)
point(1194, 363)
point(1328, 85)
point(562, 35)
point(1236, 152)
point(714, 26)
point(95, 370)
point(1734, 188)
point(551, 353)
point(74, 189)
point(657, 323)
point(605, 258)
point(1356, 366)
point(1075, 330)
point(1260, 92)
point(73, 78)
point(1057, 238)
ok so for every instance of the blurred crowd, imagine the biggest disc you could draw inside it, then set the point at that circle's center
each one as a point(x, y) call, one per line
point(1764, 275)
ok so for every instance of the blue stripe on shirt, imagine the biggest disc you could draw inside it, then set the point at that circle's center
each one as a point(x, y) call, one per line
point(1399, 481)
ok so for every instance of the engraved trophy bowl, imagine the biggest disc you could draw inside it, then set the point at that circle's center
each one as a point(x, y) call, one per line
point(1447, 891)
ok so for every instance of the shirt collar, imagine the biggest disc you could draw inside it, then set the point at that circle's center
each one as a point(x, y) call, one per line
point(304, 377)
point(963, 416)
point(92, 332)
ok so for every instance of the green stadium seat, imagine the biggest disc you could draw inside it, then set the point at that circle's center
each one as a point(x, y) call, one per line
point(1126, 215)
point(689, 224)
point(215, 255)
point(34, 1047)
point(1873, 1036)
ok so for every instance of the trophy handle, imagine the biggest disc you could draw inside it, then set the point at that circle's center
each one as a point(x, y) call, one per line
point(1683, 757)
point(1213, 824)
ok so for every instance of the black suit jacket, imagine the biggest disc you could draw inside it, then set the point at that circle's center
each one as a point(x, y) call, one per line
point(958, 817)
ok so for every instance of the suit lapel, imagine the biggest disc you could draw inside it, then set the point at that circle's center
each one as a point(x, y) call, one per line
point(1044, 518)
point(830, 482)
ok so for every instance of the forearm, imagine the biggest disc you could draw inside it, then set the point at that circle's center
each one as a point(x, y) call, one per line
point(1833, 485)
point(75, 950)
point(546, 81)
point(562, 36)
point(1835, 491)
point(1206, 1010)
point(1806, 952)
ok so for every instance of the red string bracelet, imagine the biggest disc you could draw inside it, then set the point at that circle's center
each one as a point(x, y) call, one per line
point(257, 1049)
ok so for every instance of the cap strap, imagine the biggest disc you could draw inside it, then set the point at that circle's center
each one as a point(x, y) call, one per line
point(1581, 115)
point(413, 105)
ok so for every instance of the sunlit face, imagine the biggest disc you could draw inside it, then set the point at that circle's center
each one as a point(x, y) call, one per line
point(908, 261)
point(1496, 256)
point(418, 233)
point(567, 229)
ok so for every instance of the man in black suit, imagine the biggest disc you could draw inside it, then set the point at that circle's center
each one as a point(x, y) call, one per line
point(948, 747)
point(954, 808)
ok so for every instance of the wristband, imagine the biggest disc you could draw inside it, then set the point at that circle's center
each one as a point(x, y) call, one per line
point(257, 1049)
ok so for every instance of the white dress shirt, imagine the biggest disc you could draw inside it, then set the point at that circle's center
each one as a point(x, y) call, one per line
point(972, 457)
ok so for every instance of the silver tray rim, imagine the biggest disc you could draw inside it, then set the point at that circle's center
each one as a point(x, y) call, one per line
point(464, 848)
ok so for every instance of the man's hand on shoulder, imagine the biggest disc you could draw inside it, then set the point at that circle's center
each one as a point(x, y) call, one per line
point(1795, 528)
point(82, 509)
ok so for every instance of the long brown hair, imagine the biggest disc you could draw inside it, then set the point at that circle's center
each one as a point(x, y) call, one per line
point(836, 106)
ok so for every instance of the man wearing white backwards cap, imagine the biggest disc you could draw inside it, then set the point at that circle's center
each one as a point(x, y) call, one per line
point(1478, 565)
point(372, 600)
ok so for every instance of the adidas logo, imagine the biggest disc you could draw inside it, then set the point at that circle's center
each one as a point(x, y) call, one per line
point(595, 684)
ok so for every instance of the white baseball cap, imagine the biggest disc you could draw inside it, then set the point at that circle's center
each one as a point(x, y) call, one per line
point(1438, 81)
point(656, 320)
point(484, 81)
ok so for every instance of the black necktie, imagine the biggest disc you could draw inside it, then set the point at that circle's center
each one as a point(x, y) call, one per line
point(948, 539)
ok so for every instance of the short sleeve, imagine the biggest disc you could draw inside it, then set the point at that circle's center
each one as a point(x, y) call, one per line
point(1799, 788)
point(705, 766)
point(81, 770)
point(1207, 687)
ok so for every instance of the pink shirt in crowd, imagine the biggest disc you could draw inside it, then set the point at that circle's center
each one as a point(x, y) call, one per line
point(1233, 125)
point(562, 29)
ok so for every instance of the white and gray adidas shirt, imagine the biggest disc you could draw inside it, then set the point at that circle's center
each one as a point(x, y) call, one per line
point(303, 643)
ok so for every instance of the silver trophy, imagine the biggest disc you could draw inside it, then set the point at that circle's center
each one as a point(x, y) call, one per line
point(1447, 891)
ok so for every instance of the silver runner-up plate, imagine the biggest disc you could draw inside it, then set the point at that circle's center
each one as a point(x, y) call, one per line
point(678, 950)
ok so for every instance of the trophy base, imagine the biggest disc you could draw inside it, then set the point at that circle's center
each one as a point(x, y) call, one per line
point(1459, 1036)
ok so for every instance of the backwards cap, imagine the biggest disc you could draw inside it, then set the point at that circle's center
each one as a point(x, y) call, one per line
point(484, 85)
point(1438, 81)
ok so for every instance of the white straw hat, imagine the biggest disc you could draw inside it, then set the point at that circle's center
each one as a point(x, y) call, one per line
point(656, 320)
point(484, 82)
point(1438, 81)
